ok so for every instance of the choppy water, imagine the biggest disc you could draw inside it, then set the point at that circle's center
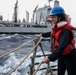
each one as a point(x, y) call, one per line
point(9, 42)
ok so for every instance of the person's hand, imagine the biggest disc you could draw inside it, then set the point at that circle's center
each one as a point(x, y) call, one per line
point(46, 60)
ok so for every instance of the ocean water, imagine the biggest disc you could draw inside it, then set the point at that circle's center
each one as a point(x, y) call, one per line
point(10, 41)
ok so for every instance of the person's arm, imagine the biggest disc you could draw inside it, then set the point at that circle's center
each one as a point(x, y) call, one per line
point(46, 34)
point(64, 38)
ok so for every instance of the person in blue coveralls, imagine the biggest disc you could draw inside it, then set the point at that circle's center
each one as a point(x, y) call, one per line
point(62, 42)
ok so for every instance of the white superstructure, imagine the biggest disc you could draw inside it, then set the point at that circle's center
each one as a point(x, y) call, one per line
point(39, 23)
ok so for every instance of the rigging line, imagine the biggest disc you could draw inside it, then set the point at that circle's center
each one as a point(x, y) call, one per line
point(25, 56)
point(16, 48)
point(37, 68)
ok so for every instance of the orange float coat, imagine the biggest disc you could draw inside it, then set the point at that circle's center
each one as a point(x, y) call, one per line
point(56, 32)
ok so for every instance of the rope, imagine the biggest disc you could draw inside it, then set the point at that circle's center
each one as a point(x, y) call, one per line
point(47, 71)
point(41, 63)
point(37, 68)
point(16, 49)
point(25, 57)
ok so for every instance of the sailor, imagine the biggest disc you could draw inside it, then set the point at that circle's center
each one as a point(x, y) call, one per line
point(62, 42)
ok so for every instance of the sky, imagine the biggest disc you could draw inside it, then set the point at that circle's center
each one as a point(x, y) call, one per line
point(7, 8)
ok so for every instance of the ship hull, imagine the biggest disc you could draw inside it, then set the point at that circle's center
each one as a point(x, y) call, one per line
point(27, 30)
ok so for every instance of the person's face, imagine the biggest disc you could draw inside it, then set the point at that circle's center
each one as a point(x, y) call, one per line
point(54, 19)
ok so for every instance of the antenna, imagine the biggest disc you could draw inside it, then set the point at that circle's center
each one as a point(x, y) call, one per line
point(49, 2)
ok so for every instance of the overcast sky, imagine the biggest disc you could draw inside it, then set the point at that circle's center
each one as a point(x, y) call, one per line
point(7, 8)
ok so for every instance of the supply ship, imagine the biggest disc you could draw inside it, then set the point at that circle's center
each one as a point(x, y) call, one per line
point(41, 23)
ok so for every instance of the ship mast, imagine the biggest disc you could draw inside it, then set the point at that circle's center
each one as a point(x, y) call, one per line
point(16, 11)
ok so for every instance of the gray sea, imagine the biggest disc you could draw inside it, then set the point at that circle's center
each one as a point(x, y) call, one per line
point(9, 42)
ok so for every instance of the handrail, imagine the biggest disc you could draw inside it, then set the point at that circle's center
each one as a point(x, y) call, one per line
point(16, 48)
point(25, 57)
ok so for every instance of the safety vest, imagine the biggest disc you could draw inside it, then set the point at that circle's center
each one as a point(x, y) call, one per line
point(56, 32)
